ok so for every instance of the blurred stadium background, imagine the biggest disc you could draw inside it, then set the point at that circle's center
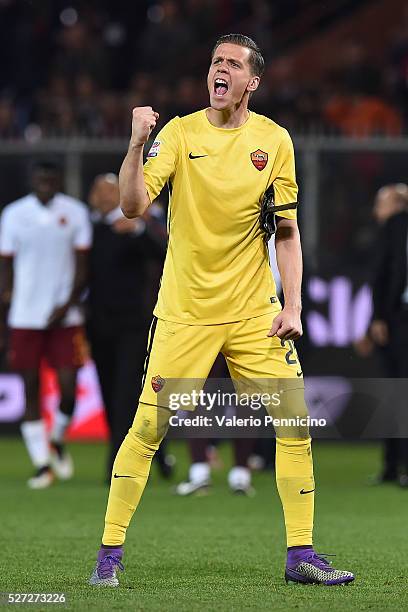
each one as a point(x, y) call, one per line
point(337, 79)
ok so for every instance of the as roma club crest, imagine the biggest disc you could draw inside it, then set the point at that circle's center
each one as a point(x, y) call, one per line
point(259, 159)
point(157, 383)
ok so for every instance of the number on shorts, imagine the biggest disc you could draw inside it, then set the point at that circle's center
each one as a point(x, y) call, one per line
point(288, 356)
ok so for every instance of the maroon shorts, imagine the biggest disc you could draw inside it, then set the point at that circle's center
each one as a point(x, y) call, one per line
point(61, 347)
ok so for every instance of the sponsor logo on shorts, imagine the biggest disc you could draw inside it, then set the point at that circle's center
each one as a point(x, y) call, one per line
point(157, 383)
point(259, 158)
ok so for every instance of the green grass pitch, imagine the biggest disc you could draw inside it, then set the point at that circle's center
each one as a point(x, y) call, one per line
point(202, 554)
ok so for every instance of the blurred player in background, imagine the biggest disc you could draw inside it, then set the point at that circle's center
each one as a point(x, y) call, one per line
point(120, 302)
point(217, 293)
point(44, 242)
point(389, 328)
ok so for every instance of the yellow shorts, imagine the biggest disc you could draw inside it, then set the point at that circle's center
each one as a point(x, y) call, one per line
point(178, 352)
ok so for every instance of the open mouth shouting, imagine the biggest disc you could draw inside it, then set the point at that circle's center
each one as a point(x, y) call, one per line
point(220, 87)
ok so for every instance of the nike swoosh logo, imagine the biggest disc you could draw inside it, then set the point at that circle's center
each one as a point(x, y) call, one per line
point(191, 156)
point(303, 492)
point(120, 476)
point(299, 373)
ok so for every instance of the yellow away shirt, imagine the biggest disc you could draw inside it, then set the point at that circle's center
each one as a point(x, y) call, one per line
point(217, 264)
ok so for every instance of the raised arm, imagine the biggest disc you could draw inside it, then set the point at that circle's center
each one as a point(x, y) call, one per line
point(134, 198)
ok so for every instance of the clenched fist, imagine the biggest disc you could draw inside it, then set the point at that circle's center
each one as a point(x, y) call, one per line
point(287, 324)
point(144, 120)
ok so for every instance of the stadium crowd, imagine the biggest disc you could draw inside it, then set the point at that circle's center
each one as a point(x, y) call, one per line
point(63, 73)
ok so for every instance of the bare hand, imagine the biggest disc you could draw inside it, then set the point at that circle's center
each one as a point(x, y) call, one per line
point(379, 332)
point(144, 120)
point(57, 316)
point(287, 325)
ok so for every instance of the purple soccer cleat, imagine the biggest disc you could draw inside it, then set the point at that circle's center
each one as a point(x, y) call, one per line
point(104, 574)
point(304, 566)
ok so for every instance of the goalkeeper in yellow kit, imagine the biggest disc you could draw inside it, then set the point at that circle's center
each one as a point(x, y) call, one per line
point(217, 292)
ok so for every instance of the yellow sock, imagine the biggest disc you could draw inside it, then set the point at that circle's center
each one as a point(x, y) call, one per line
point(131, 470)
point(294, 478)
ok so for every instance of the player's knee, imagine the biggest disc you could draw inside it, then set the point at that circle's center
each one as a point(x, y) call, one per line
point(292, 415)
point(146, 434)
point(149, 427)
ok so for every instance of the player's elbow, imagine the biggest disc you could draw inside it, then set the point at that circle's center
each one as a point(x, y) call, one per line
point(134, 205)
point(129, 212)
point(132, 208)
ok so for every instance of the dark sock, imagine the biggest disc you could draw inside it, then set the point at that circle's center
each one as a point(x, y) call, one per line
point(59, 448)
point(42, 470)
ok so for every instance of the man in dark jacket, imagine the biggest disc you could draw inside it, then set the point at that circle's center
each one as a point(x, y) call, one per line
point(389, 327)
point(125, 267)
